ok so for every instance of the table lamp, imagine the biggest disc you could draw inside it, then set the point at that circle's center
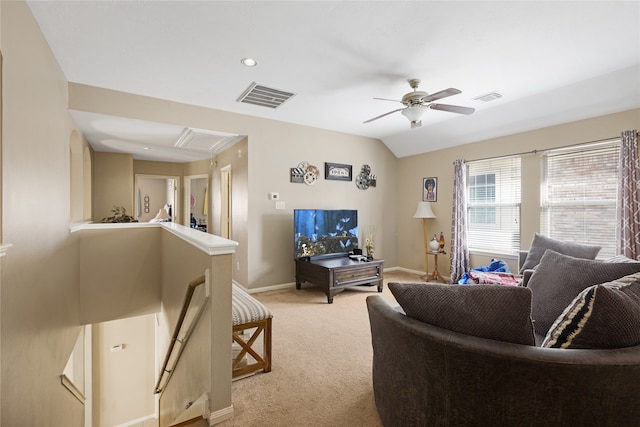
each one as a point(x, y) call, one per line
point(424, 211)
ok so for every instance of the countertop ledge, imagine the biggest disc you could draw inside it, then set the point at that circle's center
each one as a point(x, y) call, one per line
point(208, 243)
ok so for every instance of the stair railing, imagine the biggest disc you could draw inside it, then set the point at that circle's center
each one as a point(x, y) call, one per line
point(188, 319)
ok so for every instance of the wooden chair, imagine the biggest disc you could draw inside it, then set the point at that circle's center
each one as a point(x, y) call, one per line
point(250, 315)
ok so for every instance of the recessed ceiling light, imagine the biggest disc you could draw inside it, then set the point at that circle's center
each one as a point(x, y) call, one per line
point(145, 148)
point(249, 62)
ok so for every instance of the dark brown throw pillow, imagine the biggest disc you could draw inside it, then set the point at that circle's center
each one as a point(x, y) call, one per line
point(601, 316)
point(560, 278)
point(540, 244)
point(495, 312)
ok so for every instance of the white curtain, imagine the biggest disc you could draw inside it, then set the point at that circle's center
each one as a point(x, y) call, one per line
point(628, 200)
point(460, 263)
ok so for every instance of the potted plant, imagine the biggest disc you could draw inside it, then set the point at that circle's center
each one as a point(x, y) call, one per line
point(119, 215)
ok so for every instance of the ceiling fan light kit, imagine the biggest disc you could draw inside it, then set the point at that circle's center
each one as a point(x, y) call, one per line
point(417, 102)
point(414, 113)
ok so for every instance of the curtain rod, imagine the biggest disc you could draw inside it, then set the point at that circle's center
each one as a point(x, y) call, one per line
point(554, 148)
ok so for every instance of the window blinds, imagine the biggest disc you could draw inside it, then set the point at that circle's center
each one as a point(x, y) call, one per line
point(578, 194)
point(493, 205)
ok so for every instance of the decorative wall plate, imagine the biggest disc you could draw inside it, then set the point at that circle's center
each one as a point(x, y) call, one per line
point(310, 178)
point(362, 181)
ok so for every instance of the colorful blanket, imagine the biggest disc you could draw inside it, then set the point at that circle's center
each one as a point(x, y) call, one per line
point(481, 277)
point(496, 273)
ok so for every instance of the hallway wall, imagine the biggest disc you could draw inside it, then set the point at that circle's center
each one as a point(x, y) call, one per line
point(40, 288)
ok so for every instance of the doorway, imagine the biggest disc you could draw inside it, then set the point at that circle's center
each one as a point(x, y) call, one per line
point(156, 197)
point(196, 201)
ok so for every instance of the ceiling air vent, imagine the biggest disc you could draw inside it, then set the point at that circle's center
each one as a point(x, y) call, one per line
point(265, 96)
point(491, 96)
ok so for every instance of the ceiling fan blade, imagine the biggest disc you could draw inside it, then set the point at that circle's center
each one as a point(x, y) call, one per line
point(387, 99)
point(382, 115)
point(452, 108)
point(442, 94)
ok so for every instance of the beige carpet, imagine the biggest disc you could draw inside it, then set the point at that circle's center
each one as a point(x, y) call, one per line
point(321, 362)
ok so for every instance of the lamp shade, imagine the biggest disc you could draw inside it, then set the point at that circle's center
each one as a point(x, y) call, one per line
point(424, 210)
point(414, 113)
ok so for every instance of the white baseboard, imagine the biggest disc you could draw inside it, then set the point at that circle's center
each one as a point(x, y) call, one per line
point(271, 288)
point(221, 415)
point(406, 270)
point(137, 421)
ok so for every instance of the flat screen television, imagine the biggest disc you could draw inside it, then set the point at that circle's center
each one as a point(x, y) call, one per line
point(323, 233)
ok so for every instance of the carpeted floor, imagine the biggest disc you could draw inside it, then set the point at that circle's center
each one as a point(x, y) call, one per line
point(321, 364)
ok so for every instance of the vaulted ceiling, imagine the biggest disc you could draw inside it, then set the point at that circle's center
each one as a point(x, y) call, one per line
point(551, 62)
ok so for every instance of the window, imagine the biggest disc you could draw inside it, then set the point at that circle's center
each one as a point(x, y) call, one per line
point(493, 205)
point(578, 195)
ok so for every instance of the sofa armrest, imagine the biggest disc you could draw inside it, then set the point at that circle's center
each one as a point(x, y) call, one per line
point(526, 275)
point(522, 256)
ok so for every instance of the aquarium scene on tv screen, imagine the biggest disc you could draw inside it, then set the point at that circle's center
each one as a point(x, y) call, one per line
point(322, 232)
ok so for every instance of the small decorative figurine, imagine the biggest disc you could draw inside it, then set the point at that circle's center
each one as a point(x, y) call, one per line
point(434, 245)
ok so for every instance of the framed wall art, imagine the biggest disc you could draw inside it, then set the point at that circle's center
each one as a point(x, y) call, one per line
point(430, 189)
point(337, 171)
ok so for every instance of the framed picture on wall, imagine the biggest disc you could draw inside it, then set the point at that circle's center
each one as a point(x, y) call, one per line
point(337, 171)
point(430, 189)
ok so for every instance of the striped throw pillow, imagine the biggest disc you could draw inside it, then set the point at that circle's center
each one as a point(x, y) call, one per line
point(602, 316)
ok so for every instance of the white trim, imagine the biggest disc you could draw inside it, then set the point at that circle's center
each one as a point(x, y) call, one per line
point(406, 270)
point(137, 421)
point(208, 243)
point(69, 385)
point(198, 409)
point(269, 288)
point(494, 254)
point(221, 415)
point(80, 226)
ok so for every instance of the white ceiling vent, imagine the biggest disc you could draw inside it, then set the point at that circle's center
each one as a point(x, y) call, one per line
point(206, 141)
point(265, 96)
point(491, 96)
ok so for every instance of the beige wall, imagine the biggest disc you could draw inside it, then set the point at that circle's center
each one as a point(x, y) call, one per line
point(273, 148)
point(124, 380)
point(205, 365)
point(1, 199)
point(156, 191)
point(411, 171)
point(237, 159)
point(162, 169)
point(39, 311)
point(40, 291)
point(131, 289)
point(112, 184)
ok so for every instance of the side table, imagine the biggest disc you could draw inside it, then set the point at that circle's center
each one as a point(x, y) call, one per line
point(436, 274)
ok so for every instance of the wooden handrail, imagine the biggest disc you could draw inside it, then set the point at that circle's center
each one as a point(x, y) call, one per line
point(183, 313)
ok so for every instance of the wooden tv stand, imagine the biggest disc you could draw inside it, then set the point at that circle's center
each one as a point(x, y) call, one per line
point(334, 274)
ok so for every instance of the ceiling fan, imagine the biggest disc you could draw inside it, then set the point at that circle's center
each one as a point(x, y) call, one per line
point(417, 102)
